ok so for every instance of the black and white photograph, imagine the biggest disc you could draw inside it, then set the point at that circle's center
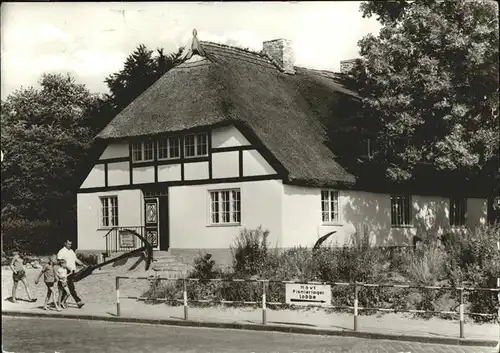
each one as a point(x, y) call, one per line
point(254, 177)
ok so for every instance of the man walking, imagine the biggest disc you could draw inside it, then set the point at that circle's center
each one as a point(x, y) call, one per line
point(66, 253)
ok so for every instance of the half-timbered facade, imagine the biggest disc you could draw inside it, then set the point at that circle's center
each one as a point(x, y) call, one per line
point(180, 184)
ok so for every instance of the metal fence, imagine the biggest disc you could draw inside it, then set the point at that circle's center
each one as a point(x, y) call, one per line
point(355, 309)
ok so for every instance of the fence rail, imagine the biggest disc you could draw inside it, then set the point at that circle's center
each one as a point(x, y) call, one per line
point(355, 308)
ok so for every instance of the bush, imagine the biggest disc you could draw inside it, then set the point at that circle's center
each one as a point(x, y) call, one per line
point(473, 260)
point(470, 259)
point(158, 289)
point(398, 258)
point(426, 266)
point(250, 252)
point(30, 237)
point(356, 261)
point(292, 264)
point(204, 268)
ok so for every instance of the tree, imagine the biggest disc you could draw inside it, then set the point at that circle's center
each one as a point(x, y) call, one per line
point(45, 134)
point(141, 69)
point(429, 83)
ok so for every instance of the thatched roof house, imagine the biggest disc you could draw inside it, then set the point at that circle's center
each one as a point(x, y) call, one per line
point(230, 85)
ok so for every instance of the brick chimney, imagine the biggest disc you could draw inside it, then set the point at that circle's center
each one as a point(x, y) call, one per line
point(347, 65)
point(281, 51)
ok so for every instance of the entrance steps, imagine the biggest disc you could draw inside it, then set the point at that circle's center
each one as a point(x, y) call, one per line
point(164, 265)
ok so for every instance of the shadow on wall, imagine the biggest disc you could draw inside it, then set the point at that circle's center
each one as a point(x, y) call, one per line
point(429, 217)
point(368, 211)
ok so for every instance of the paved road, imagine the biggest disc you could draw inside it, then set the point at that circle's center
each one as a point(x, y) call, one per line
point(48, 335)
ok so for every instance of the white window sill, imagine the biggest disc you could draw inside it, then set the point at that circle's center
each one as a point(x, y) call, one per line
point(224, 225)
point(402, 226)
point(333, 224)
point(458, 227)
point(143, 161)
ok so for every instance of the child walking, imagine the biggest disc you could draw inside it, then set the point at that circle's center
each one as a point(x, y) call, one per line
point(50, 279)
point(19, 274)
point(62, 280)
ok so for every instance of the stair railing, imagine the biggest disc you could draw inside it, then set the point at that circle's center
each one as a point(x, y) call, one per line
point(121, 239)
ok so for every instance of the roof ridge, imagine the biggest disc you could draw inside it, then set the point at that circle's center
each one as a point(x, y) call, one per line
point(322, 71)
point(248, 51)
point(231, 47)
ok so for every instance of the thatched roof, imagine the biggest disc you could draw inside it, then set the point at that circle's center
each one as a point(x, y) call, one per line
point(286, 112)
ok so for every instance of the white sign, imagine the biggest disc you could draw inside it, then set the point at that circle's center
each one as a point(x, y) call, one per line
point(308, 294)
point(127, 239)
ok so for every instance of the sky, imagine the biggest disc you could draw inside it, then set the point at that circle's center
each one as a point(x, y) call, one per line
point(91, 40)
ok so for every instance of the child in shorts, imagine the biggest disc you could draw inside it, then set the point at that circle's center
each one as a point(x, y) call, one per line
point(62, 280)
point(50, 279)
point(19, 274)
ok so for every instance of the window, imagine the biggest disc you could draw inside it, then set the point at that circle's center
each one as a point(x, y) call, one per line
point(169, 148)
point(225, 207)
point(109, 211)
point(196, 145)
point(400, 210)
point(458, 210)
point(142, 151)
point(330, 206)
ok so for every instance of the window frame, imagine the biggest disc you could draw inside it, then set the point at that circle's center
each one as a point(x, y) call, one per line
point(196, 144)
point(113, 220)
point(234, 208)
point(168, 148)
point(453, 223)
point(142, 151)
point(329, 212)
point(402, 215)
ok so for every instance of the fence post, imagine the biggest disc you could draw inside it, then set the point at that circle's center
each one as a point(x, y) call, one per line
point(185, 300)
point(264, 318)
point(498, 296)
point(118, 312)
point(356, 295)
point(461, 312)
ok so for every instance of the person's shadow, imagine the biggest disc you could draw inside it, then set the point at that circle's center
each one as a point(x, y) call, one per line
point(19, 300)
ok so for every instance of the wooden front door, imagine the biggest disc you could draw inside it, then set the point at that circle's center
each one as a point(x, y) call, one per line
point(152, 221)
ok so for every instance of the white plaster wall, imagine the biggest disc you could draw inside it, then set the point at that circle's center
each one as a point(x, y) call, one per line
point(143, 175)
point(431, 215)
point(228, 136)
point(302, 223)
point(477, 212)
point(95, 177)
point(196, 170)
point(118, 173)
point(90, 234)
point(261, 204)
point(116, 150)
point(225, 164)
point(169, 172)
point(255, 164)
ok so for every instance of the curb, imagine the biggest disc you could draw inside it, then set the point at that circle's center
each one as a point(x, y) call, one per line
point(259, 327)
